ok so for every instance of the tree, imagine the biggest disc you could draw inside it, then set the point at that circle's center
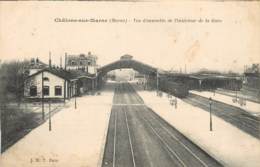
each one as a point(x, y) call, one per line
point(12, 75)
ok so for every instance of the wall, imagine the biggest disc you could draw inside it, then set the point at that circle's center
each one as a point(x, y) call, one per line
point(37, 81)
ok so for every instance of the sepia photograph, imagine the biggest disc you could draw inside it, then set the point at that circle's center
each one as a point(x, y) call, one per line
point(130, 84)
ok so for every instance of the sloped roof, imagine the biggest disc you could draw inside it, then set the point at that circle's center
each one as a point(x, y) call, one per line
point(210, 77)
point(67, 75)
point(128, 63)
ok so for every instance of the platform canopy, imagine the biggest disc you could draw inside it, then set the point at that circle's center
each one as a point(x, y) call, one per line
point(128, 63)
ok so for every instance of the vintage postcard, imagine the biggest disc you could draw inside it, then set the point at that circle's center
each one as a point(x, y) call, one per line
point(130, 84)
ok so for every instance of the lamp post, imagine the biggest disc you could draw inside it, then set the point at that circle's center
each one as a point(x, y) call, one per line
point(214, 89)
point(157, 80)
point(210, 115)
point(43, 114)
point(75, 95)
point(49, 115)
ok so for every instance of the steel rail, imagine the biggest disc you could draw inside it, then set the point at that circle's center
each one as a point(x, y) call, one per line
point(114, 149)
point(178, 140)
point(165, 144)
point(130, 141)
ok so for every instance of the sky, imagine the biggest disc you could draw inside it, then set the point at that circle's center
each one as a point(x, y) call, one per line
point(28, 29)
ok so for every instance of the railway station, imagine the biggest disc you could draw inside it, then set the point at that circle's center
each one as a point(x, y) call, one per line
point(130, 84)
point(89, 77)
point(146, 116)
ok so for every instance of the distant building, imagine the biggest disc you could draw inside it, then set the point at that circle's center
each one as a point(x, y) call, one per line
point(254, 69)
point(82, 62)
point(252, 77)
point(35, 66)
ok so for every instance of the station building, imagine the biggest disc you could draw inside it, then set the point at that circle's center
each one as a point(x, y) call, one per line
point(50, 83)
point(53, 82)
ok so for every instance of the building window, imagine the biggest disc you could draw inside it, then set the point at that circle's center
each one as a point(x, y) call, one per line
point(58, 91)
point(46, 90)
point(73, 63)
point(33, 91)
point(45, 79)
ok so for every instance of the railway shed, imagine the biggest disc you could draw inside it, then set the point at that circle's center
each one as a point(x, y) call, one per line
point(212, 81)
point(206, 81)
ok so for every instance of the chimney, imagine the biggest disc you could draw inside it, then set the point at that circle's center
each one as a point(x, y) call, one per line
point(61, 62)
point(49, 59)
point(65, 61)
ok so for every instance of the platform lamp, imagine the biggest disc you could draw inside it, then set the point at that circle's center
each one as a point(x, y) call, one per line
point(214, 88)
point(157, 80)
point(49, 115)
point(210, 114)
point(49, 98)
point(42, 99)
point(75, 95)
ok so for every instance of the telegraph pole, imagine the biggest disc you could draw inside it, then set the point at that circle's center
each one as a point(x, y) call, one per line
point(61, 62)
point(49, 116)
point(65, 61)
point(49, 97)
point(42, 98)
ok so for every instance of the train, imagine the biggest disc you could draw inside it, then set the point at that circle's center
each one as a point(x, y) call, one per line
point(177, 89)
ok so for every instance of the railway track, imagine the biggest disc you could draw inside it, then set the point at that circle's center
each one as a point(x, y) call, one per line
point(139, 137)
point(184, 147)
point(234, 115)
